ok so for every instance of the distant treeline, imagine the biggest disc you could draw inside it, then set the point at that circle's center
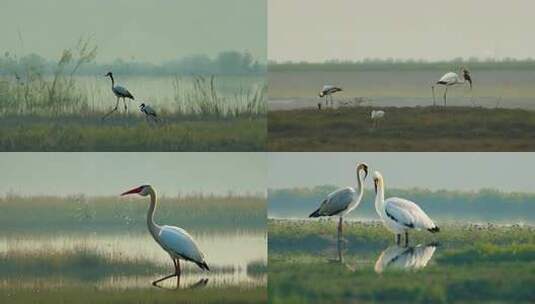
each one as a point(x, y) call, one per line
point(406, 64)
point(225, 63)
point(81, 213)
point(485, 205)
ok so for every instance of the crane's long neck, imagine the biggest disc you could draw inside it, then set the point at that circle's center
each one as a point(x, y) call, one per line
point(380, 197)
point(112, 81)
point(359, 186)
point(154, 229)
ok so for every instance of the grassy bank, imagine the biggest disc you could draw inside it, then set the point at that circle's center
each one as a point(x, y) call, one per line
point(90, 133)
point(88, 294)
point(470, 264)
point(403, 129)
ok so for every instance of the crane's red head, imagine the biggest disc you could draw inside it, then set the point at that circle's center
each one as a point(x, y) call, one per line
point(141, 190)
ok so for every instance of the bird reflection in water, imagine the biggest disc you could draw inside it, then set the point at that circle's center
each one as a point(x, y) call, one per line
point(405, 258)
point(199, 284)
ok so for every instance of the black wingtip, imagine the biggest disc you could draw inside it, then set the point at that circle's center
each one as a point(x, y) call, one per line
point(315, 213)
point(204, 266)
point(434, 229)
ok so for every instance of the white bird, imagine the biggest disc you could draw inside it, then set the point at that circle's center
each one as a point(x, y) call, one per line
point(399, 215)
point(149, 112)
point(451, 79)
point(328, 91)
point(404, 258)
point(120, 92)
point(344, 200)
point(174, 240)
point(377, 115)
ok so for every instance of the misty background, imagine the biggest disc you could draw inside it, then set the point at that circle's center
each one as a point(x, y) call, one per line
point(450, 187)
point(139, 37)
point(355, 30)
point(102, 174)
point(509, 172)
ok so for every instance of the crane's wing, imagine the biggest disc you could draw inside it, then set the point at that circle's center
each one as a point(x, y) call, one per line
point(408, 214)
point(449, 78)
point(179, 242)
point(122, 91)
point(337, 201)
point(150, 111)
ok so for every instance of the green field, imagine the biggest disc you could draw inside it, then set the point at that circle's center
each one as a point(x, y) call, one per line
point(403, 129)
point(70, 132)
point(467, 264)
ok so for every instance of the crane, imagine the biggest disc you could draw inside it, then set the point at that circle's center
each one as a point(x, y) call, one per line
point(150, 114)
point(400, 215)
point(176, 241)
point(452, 79)
point(328, 91)
point(377, 115)
point(119, 92)
point(344, 200)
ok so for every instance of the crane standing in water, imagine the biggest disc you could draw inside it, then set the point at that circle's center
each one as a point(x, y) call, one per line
point(174, 240)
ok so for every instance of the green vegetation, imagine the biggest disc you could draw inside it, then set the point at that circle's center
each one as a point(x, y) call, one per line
point(471, 264)
point(88, 294)
point(403, 129)
point(486, 205)
point(90, 133)
point(107, 214)
point(45, 107)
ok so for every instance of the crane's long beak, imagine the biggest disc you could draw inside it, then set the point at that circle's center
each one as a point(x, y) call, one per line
point(135, 190)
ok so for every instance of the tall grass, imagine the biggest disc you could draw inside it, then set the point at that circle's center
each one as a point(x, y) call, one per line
point(29, 88)
point(28, 91)
point(204, 99)
point(82, 214)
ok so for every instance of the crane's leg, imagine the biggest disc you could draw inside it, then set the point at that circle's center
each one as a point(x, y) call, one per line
point(125, 107)
point(445, 93)
point(398, 238)
point(406, 238)
point(113, 110)
point(176, 262)
point(434, 99)
point(340, 227)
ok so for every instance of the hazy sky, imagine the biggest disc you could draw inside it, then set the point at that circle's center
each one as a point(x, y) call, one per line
point(450, 171)
point(151, 31)
point(113, 173)
point(305, 30)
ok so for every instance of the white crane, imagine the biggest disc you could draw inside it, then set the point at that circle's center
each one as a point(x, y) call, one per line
point(400, 215)
point(150, 114)
point(344, 200)
point(120, 92)
point(328, 91)
point(404, 258)
point(377, 115)
point(174, 240)
point(452, 79)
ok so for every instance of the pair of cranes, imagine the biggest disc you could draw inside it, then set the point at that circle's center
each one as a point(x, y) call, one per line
point(399, 215)
point(448, 80)
point(122, 92)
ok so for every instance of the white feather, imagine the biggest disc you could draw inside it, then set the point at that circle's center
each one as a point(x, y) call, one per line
point(177, 241)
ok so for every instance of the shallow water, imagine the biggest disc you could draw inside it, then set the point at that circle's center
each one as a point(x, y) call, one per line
point(228, 254)
point(492, 88)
